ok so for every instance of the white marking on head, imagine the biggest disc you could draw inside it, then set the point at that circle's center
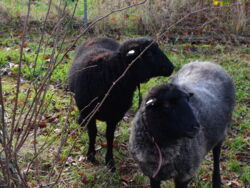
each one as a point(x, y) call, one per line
point(130, 52)
point(150, 101)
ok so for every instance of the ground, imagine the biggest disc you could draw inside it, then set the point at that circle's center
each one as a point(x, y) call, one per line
point(62, 143)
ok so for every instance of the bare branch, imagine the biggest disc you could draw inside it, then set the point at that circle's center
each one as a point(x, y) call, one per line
point(42, 36)
point(19, 71)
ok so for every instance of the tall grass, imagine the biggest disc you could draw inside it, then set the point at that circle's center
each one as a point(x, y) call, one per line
point(230, 16)
point(154, 16)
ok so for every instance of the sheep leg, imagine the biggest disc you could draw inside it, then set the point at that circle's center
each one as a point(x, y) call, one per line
point(181, 184)
point(92, 131)
point(154, 183)
point(216, 171)
point(110, 137)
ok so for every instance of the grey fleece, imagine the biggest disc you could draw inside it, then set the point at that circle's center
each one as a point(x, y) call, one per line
point(212, 104)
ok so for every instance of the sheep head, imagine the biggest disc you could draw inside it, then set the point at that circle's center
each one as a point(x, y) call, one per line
point(167, 114)
point(153, 62)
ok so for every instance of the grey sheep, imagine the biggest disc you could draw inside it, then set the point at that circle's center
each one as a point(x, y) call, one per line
point(97, 65)
point(178, 123)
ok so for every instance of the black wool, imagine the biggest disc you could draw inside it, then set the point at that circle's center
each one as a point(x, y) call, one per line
point(98, 64)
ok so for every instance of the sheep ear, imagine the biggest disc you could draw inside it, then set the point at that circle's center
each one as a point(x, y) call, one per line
point(130, 53)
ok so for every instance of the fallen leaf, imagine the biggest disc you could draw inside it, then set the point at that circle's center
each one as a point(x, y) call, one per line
point(113, 19)
point(82, 158)
point(46, 57)
point(234, 183)
point(206, 177)
point(88, 165)
point(98, 147)
point(126, 178)
point(104, 145)
point(70, 160)
point(237, 156)
point(25, 44)
point(31, 185)
point(247, 132)
point(226, 178)
point(77, 149)
point(42, 124)
point(83, 177)
point(34, 142)
point(247, 56)
point(12, 73)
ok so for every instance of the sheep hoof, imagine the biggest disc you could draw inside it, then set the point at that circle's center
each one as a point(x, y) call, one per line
point(93, 160)
point(111, 165)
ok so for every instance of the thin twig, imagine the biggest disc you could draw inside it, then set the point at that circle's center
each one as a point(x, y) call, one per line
point(42, 36)
point(19, 71)
point(4, 136)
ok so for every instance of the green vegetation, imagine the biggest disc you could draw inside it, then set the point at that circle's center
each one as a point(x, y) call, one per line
point(56, 139)
point(147, 19)
point(78, 171)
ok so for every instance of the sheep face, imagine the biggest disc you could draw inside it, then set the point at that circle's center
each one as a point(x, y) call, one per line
point(153, 62)
point(166, 110)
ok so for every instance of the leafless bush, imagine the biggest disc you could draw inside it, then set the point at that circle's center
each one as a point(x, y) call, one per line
point(20, 124)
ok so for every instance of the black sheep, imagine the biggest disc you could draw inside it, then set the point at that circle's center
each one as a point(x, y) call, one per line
point(97, 67)
point(179, 123)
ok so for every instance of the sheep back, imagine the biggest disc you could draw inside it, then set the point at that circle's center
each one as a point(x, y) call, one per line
point(104, 43)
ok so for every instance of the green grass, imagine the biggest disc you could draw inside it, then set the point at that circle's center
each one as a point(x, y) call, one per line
point(78, 172)
point(10, 58)
point(39, 8)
